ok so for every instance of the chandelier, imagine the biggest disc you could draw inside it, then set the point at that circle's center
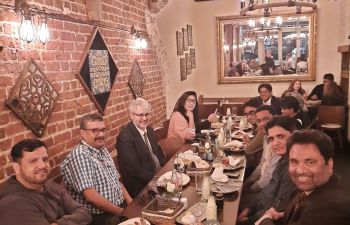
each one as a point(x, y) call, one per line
point(267, 6)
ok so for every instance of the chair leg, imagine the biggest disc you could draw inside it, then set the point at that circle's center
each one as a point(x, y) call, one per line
point(340, 139)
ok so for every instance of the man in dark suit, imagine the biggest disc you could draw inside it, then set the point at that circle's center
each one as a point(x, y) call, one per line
point(320, 199)
point(139, 154)
point(266, 98)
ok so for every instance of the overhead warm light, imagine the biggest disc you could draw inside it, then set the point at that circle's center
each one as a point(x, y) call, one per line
point(43, 32)
point(267, 6)
point(140, 38)
point(26, 28)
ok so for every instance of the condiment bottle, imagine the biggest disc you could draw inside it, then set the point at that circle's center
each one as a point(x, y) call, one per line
point(206, 188)
point(211, 210)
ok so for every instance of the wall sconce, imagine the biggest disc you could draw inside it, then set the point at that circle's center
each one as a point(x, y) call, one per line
point(27, 29)
point(43, 31)
point(140, 38)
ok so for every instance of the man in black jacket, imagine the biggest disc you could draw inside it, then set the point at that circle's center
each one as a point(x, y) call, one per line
point(266, 98)
point(320, 199)
point(139, 154)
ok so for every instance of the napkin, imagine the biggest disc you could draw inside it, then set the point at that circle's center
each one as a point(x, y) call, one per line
point(218, 175)
point(188, 218)
point(234, 161)
point(201, 164)
point(233, 143)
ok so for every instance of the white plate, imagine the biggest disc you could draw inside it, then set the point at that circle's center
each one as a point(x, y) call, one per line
point(167, 176)
point(200, 206)
point(133, 220)
point(223, 179)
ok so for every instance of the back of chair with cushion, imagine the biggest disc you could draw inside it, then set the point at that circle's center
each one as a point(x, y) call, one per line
point(331, 115)
point(332, 118)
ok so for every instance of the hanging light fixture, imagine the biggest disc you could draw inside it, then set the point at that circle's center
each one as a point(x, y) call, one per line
point(140, 38)
point(43, 31)
point(268, 5)
point(27, 28)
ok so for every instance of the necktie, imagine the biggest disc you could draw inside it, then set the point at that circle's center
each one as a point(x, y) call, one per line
point(154, 157)
point(295, 211)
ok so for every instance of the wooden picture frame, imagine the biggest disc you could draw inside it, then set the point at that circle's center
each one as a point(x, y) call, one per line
point(185, 39)
point(33, 98)
point(136, 80)
point(193, 58)
point(179, 43)
point(97, 70)
point(189, 35)
point(188, 63)
point(183, 69)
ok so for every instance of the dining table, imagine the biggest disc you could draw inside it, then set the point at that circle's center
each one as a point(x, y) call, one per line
point(226, 216)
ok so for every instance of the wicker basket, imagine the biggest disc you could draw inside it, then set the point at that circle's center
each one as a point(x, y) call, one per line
point(155, 211)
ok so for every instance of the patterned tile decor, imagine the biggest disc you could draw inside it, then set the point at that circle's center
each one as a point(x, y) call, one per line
point(136, 80)
point(33, 98)
point(98, 71)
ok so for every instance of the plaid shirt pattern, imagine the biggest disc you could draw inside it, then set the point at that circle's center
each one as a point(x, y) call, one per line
point(87, 167)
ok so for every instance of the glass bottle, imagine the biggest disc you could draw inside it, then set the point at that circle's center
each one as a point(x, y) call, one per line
point(177, 182)
point(206, 188)
point(211, 209)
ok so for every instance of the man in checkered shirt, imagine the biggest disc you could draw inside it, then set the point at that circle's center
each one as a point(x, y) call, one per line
point(90, 175)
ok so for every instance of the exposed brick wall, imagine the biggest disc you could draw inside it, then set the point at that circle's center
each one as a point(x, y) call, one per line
point(59, 60)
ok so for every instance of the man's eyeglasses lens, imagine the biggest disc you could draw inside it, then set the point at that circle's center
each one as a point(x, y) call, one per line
point(250, 113)
point(97, 131)
point(142, 114)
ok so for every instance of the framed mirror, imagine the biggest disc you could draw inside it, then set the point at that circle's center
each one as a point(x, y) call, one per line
point(266, 49)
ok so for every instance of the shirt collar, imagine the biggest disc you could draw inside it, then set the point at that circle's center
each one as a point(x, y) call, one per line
point(268, 102)
point(94, 151)
point(142, 132)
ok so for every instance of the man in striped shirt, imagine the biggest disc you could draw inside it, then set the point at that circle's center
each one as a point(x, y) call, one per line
point(90, 175)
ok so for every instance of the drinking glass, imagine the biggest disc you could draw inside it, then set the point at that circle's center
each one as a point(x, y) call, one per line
point(199, 180)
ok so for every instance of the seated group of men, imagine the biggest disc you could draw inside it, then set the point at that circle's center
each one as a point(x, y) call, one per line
point(282, 162)
point(95, 194)
point(290, 172)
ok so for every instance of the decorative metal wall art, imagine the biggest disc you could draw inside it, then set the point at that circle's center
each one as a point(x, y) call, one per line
point(185, 37)
point(183, 70)
point(97, 71)
point(188, 63)
point(33, 98)
point(193, 58)
point(179, 43)
point(136, 80)
point(189, 35)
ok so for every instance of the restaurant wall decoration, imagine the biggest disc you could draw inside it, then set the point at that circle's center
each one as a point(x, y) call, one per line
point(184, 39)
point(183, 69)
point(136, 80)
point(97, 71)
point(193, 58)
point(33, 98)
point(179, 43)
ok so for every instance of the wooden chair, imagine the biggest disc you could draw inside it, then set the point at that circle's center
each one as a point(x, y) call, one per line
point(204, 110)
point(332, 118)
point(161, 133)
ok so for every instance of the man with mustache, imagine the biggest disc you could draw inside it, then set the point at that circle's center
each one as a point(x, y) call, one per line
point(320, 199)
point(139, 154)
point(89, 173)
point(29, 198)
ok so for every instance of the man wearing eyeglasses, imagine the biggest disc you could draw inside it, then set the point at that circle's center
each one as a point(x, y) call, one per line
point(139, 154)
point(90, 175)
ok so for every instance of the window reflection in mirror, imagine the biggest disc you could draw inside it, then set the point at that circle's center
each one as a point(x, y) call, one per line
point(274, 46)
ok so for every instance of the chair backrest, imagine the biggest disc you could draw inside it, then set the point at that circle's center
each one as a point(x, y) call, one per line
point(331, 114)
point(161, 133)
point(204, 110)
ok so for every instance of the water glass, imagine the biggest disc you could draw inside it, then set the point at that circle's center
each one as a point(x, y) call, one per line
point(199, 180)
